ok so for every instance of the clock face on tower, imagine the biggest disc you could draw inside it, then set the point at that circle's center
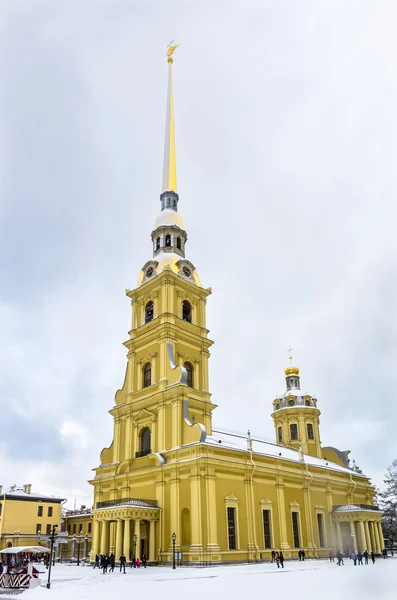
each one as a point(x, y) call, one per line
point(187, 272)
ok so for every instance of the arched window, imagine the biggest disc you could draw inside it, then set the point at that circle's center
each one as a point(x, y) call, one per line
point(280, 434)
point(168, 240)
point(310, 433)
point(291, 403)
point(186, 311)
point(189, 370)
point(294, 431)
point(307, 402)
point(149, 311)
point(147, 375)
point(157, 243)
point(145, 440)
point(178, 243)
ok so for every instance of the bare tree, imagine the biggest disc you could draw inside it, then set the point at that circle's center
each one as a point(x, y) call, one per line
point(388, 502)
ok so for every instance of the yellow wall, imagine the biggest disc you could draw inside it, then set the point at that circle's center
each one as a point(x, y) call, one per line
point(21, 515)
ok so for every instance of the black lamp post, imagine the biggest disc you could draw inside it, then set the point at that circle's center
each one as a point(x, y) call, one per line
point(52, 539)
point(173, 549)
point(78, 549)
point(135, 543)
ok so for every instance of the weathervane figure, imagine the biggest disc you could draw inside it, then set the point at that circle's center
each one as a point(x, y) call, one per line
point(170, 50)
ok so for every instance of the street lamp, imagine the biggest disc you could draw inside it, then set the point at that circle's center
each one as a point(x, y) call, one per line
point(173, 549)
point(135, 543)
point(52, 539)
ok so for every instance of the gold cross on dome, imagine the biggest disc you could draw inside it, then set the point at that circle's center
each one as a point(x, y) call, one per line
point(290, 354)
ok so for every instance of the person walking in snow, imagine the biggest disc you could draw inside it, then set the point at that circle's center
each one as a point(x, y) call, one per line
point(373, 557)
point(281, 560)
point(359, 558)
point(339, 556)
point(331, 556)
point(122, 562)
point(273, 556)
point(112, 562)
point(300, 555)
point(365, 555)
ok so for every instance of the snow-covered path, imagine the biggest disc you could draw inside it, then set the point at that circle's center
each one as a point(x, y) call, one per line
point(320, 580)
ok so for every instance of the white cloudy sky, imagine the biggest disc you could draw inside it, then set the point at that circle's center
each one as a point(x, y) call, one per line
point(286, 126)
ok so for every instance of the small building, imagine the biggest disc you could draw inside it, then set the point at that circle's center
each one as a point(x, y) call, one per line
point(25, 516)
point(78, 524)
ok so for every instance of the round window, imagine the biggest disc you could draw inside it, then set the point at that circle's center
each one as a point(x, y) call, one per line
point(291, 403)
point(149, 272)
point(307, 402)
point(187, 272)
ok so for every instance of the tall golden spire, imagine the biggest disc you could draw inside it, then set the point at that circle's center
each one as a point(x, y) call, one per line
point(169, 168)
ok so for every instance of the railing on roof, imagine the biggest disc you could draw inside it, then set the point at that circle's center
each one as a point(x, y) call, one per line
point(130, 501)
point(351, 506)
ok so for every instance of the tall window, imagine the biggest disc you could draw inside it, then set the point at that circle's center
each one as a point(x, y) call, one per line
point(48, 529)
point(89, 527)
point(157, 243)
point(147, 375)
point(74, 528)
point(168, 240)
point(1, 509)
point(186, 311)
point(81, 528)
point(145, 440)
point(38, 528)
point(280, 434)
point(231, 527)
point(149, 311)
point(40, 511)
point(310, 434)
point(189, 370)
point(266, 529)
point(295, 529)
point(293, 431)
point(320, 524)
point(49, 511)
point(178, 243)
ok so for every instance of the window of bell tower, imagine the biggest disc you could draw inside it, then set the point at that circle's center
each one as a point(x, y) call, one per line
point(168, 240)
point(310, 433)
point(178, 243)
point(149, 311)
point(189, 370)
point(187, 311)
point(280, 434)
point(147, 375)
point(157, 243)
point(293, 428)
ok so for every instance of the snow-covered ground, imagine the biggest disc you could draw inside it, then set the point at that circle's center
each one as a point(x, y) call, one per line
point(320, 580)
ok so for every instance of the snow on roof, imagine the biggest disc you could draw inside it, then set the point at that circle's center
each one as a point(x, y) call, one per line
point(264, 448)
point(138, 504)
point(29, 549)
point(354, 508)
point(20, 493)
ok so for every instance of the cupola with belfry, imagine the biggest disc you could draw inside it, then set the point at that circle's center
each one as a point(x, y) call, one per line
point(296, 416)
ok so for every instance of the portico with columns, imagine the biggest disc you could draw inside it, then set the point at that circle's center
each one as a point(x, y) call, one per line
point(126, 527)
point(358, 528)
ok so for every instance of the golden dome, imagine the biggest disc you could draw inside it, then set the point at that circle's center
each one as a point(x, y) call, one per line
point(291, 371)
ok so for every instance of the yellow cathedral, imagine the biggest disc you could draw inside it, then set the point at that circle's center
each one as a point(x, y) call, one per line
point(222, 497)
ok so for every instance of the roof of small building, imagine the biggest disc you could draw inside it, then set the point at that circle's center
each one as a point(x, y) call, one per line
point(20, 494)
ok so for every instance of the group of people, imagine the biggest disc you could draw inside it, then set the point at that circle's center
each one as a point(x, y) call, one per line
point(357, 558)
point(105, 562)
point(278, 558)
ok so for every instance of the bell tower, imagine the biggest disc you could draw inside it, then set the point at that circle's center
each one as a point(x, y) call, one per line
point(165, 400)
point(296, 416)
